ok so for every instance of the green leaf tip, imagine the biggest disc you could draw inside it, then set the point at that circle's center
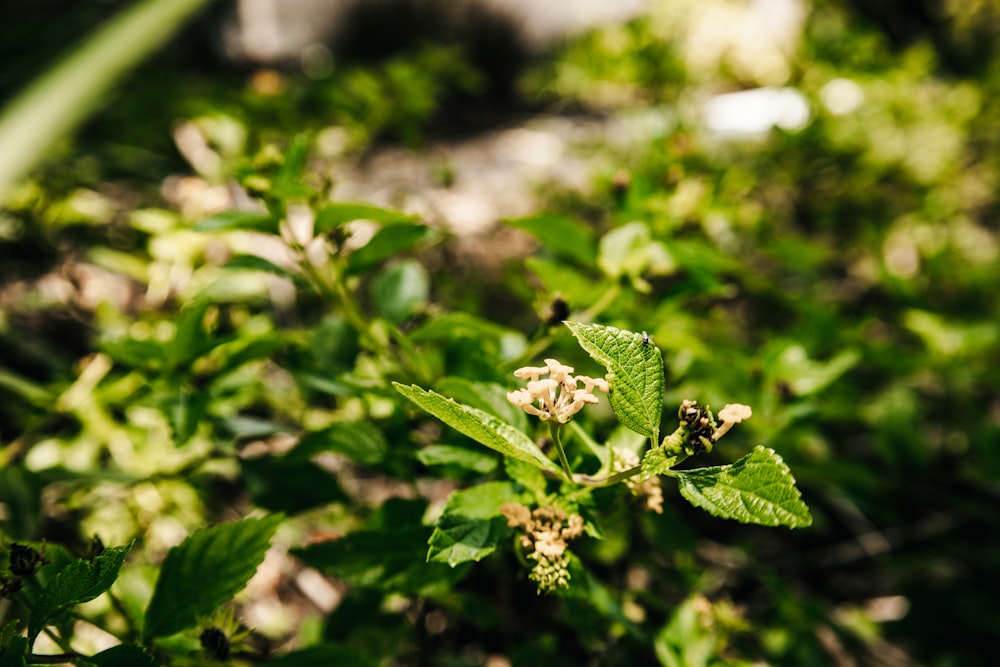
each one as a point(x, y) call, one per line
point(759, 488)
point(635, 373)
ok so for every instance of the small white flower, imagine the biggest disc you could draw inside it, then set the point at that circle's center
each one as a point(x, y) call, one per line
point(558, 396)
point(732, 414)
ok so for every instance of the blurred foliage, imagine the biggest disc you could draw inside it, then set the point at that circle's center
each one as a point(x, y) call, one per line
point(191, 333)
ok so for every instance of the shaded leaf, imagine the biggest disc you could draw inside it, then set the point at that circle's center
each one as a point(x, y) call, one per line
point(759, 488)
point(400, 291)
point(561, 234)
point(206, 570)
point(387, 242)
point(361, 442)
point(476, 460)
point(123, 655)
point(245, 220)
point(470, 526)
point(391, 560)
point(15, 652)
point(80, 581)
point(334, 215)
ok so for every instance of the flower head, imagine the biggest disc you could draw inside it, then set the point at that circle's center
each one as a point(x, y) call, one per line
point(559, 395)
point(547, 532)
point(731, 415)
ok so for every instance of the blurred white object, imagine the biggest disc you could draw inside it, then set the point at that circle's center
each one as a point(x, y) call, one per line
point(841, 96)
point(757, 111)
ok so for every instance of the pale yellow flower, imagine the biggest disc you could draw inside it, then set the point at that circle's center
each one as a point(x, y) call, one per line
point(558, 396)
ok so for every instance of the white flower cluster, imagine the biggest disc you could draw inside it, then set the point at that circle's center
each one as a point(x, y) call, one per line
point(547, 532)
point(559, 395)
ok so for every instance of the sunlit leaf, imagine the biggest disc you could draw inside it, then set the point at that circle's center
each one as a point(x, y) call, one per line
point(759, 488)
point(482, 427)
point(635, 373)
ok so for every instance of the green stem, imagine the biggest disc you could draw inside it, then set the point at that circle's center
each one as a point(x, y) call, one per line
point(554, 429)
point(535, 349)
point(610, 479)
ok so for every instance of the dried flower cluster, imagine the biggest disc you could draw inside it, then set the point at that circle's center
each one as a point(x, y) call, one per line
point(559, 396)
point(547, 532)
point(625, 459)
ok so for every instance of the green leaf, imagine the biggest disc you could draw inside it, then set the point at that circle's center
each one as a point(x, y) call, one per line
point(630, 251)
point(123, 655)
point(482, 427)
point(471, 527)
point(391, 560)
point(387, 242)
point(334, 215)
point(487, 396)
point(80, 581)
point(14, 653)
point(206, 570)
point(245, 220)
point(287, 484)
point(759, 488)
point(561, 234)
point(255, 263)
point(476, 460)
point(399, 291)
point(657, 462)
point(635, 374)
point(359, 441)
point(459, 539)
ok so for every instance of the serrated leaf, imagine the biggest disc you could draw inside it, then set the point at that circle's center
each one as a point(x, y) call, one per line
point(470, 526)
point(123, 655)
point(459, 539)
point(80, 581)
point(387, 242)
point(635, 374)
point(759, 488)
point(206, 570)
point(481, 426)
point(657, 462)
point(246, 220)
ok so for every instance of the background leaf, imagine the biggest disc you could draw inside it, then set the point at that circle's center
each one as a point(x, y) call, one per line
point(205, 570)
point(471, 526)
point(387, 242)
point(635, 373)
point(246, 220)
point(81, 581)
point(480, 426)
point(759, 488)
point(336, 214)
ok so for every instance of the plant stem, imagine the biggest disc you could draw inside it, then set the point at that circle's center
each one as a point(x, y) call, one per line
point(554, 429)
point(610, 479)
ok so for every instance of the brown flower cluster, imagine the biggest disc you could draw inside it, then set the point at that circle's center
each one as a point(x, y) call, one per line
point(547, 532)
